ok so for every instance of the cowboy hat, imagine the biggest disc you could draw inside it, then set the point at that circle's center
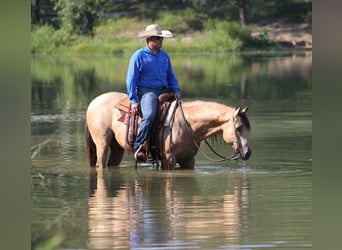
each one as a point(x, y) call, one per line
point(153, 30)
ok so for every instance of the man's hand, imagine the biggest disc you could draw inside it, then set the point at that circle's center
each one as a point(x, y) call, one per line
point(135, 107)
point(177, 95)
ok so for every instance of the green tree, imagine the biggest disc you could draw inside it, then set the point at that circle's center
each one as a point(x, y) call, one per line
point(79, 16)
point(217, 4)
point(42, 12)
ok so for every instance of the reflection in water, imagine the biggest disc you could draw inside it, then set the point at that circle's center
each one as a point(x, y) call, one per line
point(162, 210)
point(108, 215)
point(73, 84)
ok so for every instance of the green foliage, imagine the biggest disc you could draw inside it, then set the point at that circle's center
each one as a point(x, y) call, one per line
point(264, 11)
point(226, 36)
point(206, 3)
point(119, 37)
point(176, 21)
point(117, 27)
point(261, 42)
point(40, 39)
point(46, 39)
point(209, 29)
point(79, 16)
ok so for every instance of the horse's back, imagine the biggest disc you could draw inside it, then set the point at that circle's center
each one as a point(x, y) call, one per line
point(106, 100)
point(100, 110)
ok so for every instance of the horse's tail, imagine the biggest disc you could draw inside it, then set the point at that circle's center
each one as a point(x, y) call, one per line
point(91, 148)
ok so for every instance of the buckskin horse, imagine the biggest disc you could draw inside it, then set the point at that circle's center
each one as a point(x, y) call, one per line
point(193, 122)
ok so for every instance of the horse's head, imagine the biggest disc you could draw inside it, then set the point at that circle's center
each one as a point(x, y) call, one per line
point(237, 133)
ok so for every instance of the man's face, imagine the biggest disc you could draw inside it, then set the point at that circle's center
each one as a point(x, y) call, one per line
point(155, 42)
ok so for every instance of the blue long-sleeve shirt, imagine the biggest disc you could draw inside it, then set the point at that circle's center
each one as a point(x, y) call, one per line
point(149, 70)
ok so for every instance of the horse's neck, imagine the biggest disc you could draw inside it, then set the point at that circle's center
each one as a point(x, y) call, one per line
point(206, 118)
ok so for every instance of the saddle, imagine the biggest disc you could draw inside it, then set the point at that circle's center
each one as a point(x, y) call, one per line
point(163, 118)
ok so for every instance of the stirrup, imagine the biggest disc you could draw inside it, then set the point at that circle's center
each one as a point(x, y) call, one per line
point(139, 155)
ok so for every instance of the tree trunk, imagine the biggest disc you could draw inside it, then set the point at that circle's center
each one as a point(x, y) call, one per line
point(243, 11)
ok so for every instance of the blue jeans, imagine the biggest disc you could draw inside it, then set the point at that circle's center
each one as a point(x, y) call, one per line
point(148, 99)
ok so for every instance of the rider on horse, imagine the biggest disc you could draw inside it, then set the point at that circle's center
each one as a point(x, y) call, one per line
point(149, 75)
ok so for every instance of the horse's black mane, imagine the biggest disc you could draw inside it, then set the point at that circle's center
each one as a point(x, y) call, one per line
point(245, 120)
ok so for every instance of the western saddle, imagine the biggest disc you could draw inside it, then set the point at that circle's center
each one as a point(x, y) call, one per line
point(131, 120)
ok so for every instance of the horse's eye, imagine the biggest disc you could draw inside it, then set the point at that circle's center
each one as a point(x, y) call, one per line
point(239, 129)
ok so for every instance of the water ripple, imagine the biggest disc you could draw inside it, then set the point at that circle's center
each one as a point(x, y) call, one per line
point(61, 117)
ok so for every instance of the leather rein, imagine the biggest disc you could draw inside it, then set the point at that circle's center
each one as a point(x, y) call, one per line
point(191, 133)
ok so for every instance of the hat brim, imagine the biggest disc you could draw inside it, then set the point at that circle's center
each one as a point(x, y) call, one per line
point(143, 35)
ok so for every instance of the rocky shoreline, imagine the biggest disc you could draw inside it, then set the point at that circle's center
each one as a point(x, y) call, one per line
point(288, 35)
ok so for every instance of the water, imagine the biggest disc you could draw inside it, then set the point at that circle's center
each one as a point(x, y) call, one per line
point(263, 203)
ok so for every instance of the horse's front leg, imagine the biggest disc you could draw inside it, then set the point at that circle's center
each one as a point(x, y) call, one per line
point(168, 161)
point(168, 156)
point(188, 164)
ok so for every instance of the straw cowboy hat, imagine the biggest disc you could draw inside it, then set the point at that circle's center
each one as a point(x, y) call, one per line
point(153, 30)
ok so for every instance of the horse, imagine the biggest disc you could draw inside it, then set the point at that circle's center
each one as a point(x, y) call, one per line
point(193, 122)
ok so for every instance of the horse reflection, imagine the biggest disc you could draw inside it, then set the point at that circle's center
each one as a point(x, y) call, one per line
point(107, 215)
point(144, 210)
point(120, 211)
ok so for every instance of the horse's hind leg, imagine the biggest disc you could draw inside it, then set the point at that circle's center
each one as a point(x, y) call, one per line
point(91, 148)
point(116, 153)
point(102, 143)
point(101, 151)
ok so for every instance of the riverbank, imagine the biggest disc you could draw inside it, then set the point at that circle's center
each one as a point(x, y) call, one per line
point(217, 37)
point(287, 34)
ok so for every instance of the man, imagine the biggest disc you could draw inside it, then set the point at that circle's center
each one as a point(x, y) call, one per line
point(149, 74)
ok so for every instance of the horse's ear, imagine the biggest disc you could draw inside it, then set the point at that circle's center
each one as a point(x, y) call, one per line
point(237, 111)
point(244, 110)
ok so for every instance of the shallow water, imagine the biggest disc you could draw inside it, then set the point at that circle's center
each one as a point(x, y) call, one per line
point(212, 207)
point(265, 202)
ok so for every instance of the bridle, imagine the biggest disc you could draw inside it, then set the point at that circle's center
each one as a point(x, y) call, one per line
point(191, 134)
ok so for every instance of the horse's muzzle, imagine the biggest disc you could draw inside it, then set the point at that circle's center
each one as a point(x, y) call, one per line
point(246, 156)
